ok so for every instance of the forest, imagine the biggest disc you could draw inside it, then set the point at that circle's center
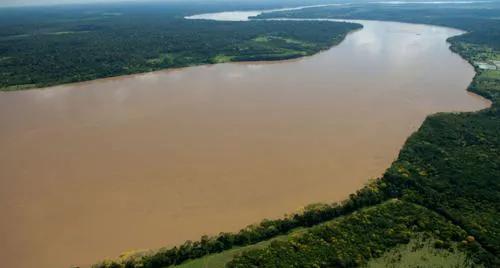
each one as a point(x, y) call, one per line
point(480, 18)
point(65, 44)
point(443, 191)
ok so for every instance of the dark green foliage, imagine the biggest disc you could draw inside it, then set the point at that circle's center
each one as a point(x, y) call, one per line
point(452, 165)
point(103, 42)
point(488, 86)
point(354, 239)
point(480, 19)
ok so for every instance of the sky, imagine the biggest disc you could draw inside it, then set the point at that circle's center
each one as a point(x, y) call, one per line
point(4, 3)
point(50, 2)
point(44, 2)
point(53, 2)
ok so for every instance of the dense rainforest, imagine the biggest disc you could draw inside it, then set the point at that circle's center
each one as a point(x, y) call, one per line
point(436, 206)
point(69, 44)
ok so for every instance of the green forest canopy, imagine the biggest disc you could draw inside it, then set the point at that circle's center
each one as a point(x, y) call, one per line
point(62, 45)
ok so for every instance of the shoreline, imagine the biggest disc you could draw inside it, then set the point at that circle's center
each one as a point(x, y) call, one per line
point(279, 61)
point(174, 69)
point(488, 104)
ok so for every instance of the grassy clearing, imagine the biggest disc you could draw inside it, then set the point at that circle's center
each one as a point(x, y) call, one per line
point(18, 87)
point(221, 58)
point(487, 82)
point(271, 38)
point(421, 253)
point(491, 74)
point(261, 39)
point(161, 59)
point(221, 259)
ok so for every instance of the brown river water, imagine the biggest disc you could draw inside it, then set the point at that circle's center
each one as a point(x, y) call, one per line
point(90, 170)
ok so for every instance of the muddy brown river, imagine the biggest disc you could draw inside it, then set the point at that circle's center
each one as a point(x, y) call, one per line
point(90, 170)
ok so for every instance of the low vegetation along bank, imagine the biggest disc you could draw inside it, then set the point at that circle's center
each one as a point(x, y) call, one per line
point(438, 203)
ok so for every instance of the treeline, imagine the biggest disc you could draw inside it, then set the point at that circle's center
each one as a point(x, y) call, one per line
point(312, 215)
point(480, 18)
point(355, 239)
point(102, 42)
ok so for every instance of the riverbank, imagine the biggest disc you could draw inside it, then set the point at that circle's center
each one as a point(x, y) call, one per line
point(450, 166)
point(433, 174)
point(110, 46)
point(163, 153)
point(375, 193)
